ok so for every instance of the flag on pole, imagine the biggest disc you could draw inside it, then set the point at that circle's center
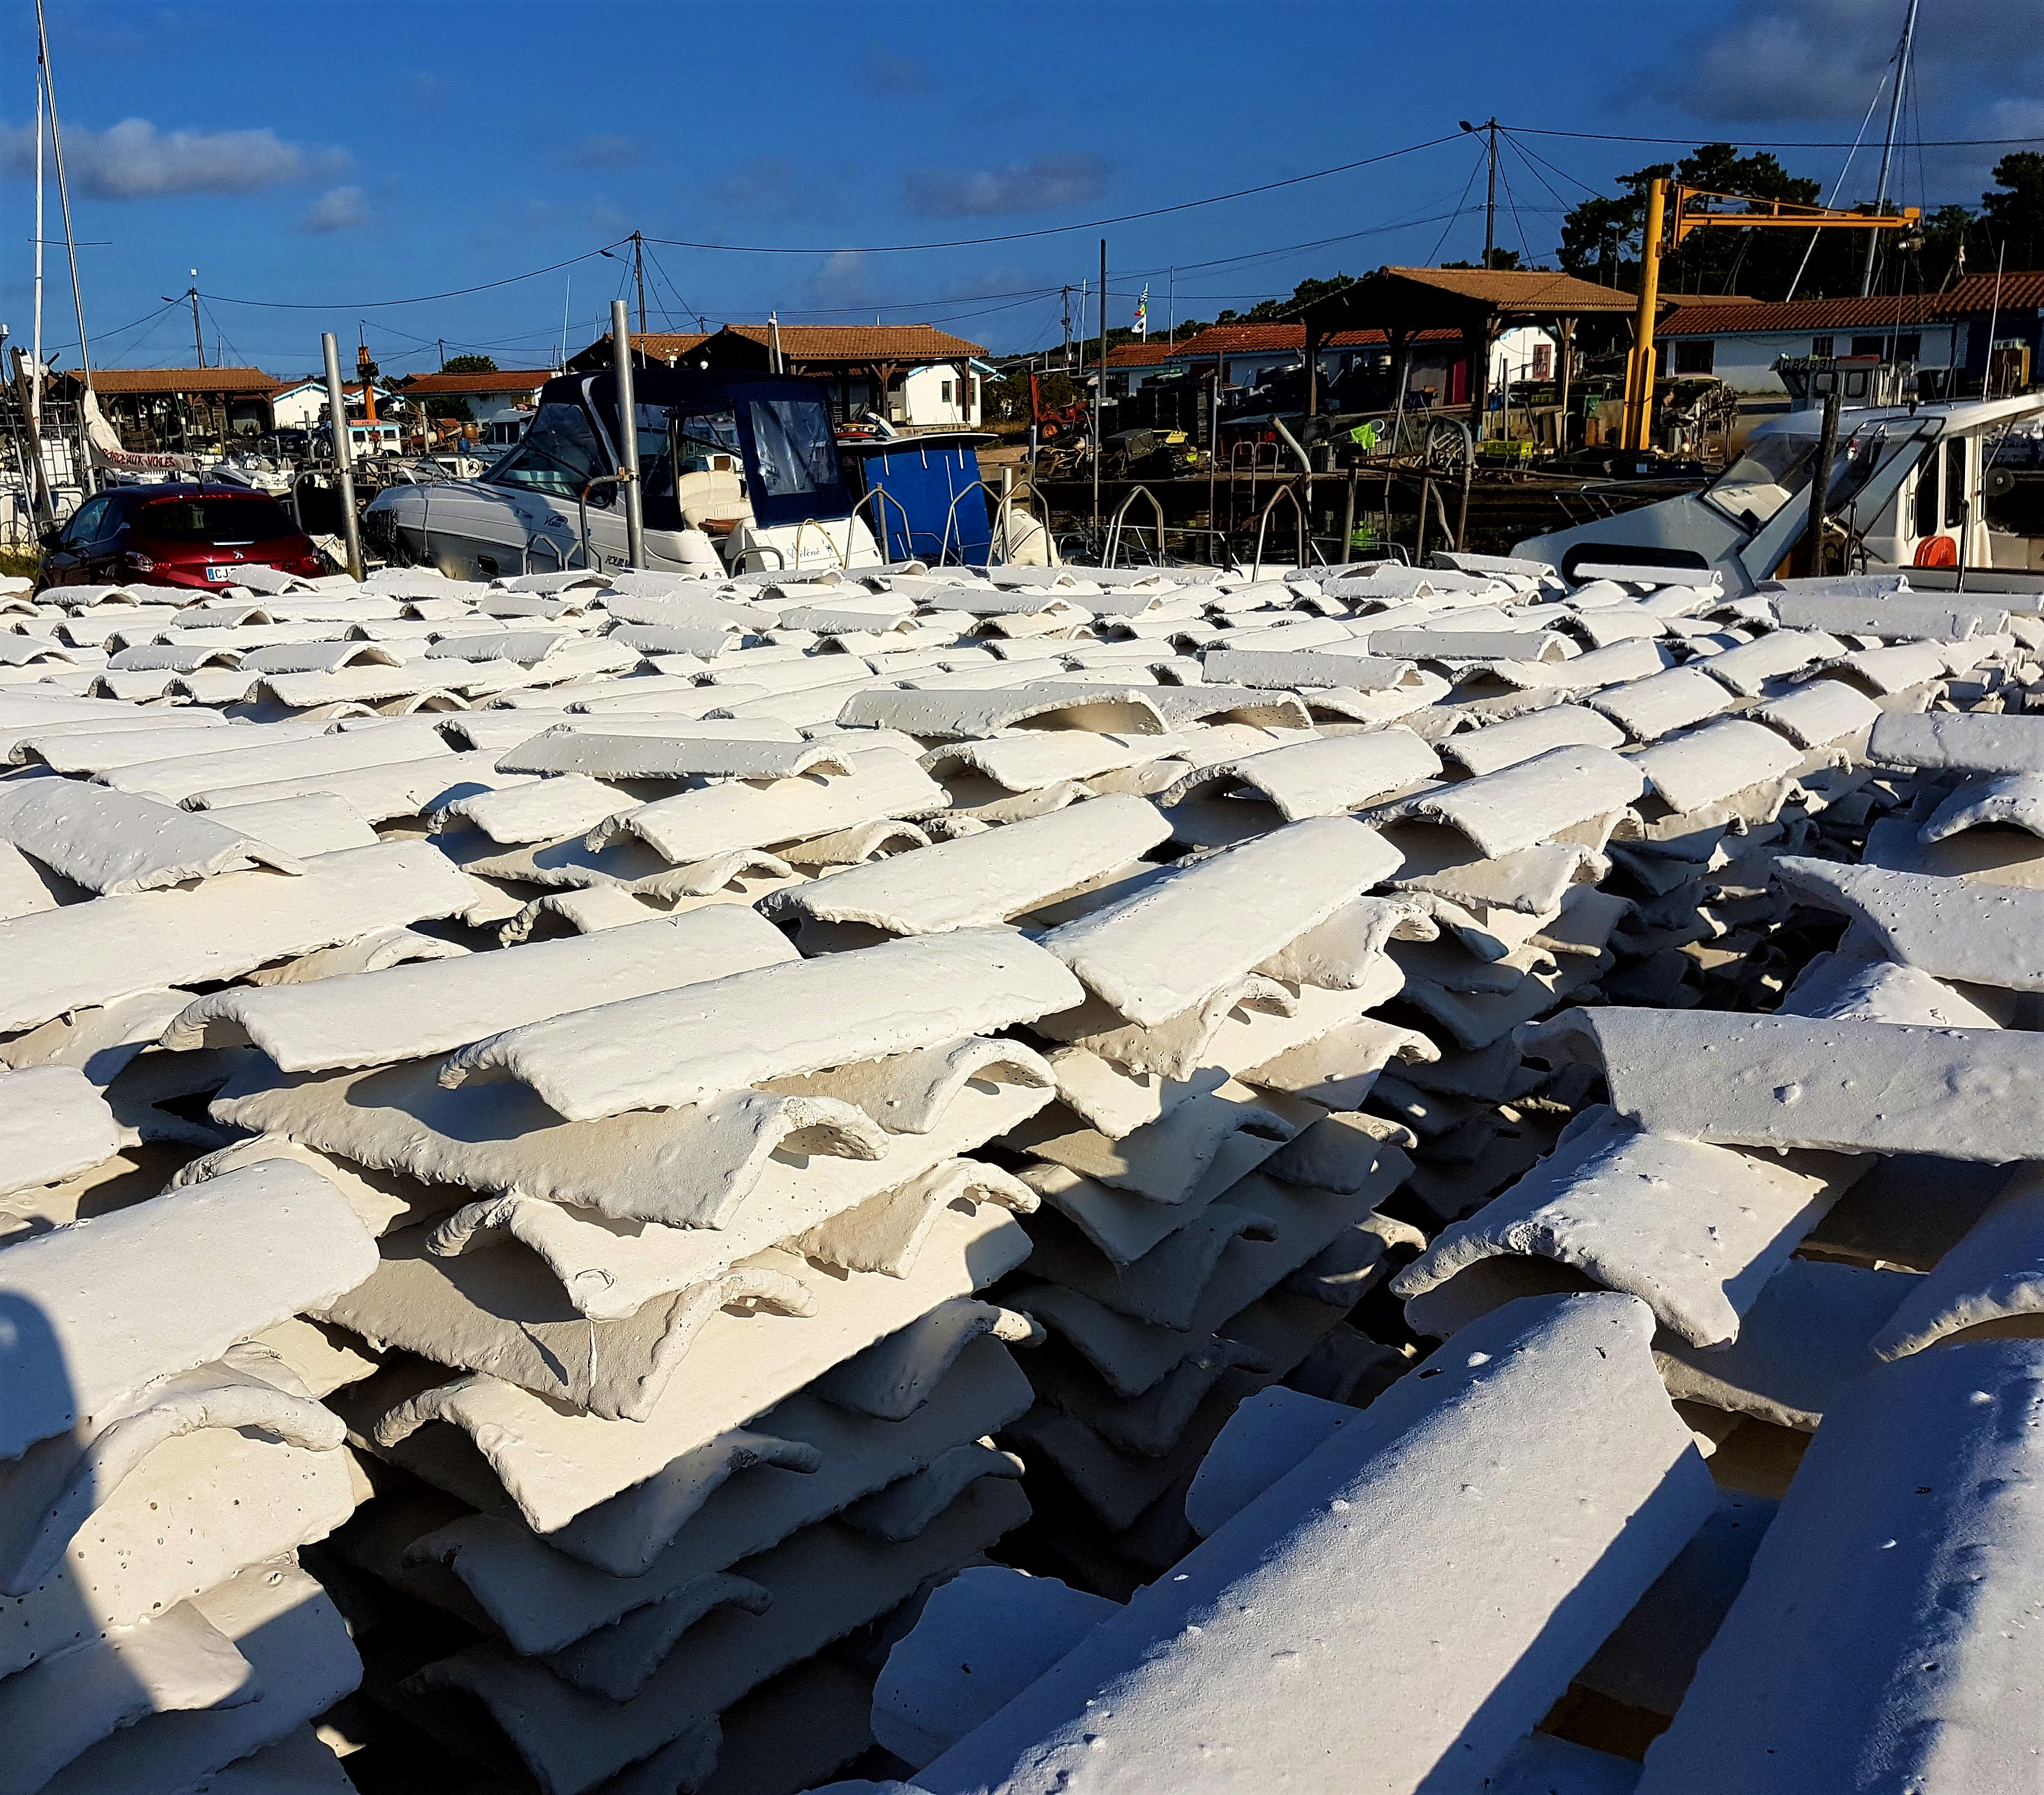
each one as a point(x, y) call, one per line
point(1143, 314)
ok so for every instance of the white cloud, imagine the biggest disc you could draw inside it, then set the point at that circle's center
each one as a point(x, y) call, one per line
point(606, 150)
point(1042, 184)
point(338, 208)
point(135, 161)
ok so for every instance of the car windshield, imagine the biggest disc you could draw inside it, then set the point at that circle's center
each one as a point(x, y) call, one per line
point(214, 519)
point(796, 449)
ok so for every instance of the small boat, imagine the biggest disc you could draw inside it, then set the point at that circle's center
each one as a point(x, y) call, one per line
point(737, 473)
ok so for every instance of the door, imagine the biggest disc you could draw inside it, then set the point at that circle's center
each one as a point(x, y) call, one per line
point(69, 560)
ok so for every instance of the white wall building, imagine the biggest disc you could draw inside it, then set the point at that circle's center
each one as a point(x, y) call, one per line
point(1739, 342)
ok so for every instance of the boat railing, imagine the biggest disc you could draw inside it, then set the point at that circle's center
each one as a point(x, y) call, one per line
point(1113, 547)
point(1003, 501)
point(886, 498)
point(1308, 550)
point(830, 541)
point(582, 512)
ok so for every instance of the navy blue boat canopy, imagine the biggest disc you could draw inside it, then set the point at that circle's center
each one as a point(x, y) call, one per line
point(774, 431)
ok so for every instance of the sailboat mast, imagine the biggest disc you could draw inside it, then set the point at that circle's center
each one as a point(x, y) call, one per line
point(70, 245)
point(35, 339)
point(1887, 146)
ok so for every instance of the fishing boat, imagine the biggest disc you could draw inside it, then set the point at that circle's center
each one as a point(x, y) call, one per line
point(1916, 487)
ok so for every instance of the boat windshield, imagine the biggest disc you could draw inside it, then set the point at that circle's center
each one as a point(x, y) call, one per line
point(1775, 469)
point(1767, 476)
point(558, 456)
point(797, 448)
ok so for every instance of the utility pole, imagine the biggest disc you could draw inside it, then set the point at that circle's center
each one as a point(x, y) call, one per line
point(1067, 297)
point(1901, 52)
point(638, 274)
point(1489, 129)
point(198, 336)
point(443, 343)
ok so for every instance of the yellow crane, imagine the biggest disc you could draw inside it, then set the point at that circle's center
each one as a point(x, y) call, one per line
point(1674, 211)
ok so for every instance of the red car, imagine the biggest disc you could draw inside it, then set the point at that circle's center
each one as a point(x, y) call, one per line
point(191, 536)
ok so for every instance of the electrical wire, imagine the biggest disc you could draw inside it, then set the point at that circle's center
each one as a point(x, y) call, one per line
point(1434, 255)
point(1052, 230)
point(417, 299)
point(1512, 201)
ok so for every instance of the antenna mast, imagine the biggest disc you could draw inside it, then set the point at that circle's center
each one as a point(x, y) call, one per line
point(1902, 52)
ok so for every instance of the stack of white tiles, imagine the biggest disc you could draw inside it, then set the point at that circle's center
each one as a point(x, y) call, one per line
point(601, 1134)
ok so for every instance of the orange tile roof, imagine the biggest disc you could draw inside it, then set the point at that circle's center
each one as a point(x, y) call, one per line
point(111, 380)
point(2019, 289)
point(662, 345)
point(1880, 313)
point(861, 342)
point(502, 380)
point(1522, 290)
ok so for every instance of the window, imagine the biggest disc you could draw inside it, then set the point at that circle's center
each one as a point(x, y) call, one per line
point(85, 522)
point(559, 455)
point(944, 393)
point(1955, 483)
point(1926, 493)
point(1820, 346)
point(1870, 345)
point(707, 442)
point(1543, 361)
point(213, 520)
point(796, 447)
point(1696, 356)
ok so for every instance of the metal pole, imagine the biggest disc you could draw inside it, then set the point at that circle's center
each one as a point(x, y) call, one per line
point(36, 346)
point(1887, 146)
point(772, 330)
point(1639, 382)
point(1490, 199)
point(46, 508)
point(1820, 475)
point(638, 274)
point(343, 454)
point(85, 480)
point(1100, 392)
point(627, 430)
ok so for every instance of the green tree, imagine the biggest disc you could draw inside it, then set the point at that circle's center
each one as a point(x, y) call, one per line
point(1601, 237)
point(2013, 215)
point(1273, 311)
point(469, 364)
point(1944, 233)
point(1499, 259)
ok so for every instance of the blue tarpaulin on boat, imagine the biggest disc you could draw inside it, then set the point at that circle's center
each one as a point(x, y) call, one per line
point(922, 478)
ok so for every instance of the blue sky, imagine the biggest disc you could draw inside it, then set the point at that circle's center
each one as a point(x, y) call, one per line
point(321, 156)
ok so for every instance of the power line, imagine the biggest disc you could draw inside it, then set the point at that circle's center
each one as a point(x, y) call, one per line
point(1049, 230)
point(418, 299)
point(1433, 254)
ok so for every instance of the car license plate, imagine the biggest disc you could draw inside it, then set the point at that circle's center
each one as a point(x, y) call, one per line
point(220, 573)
